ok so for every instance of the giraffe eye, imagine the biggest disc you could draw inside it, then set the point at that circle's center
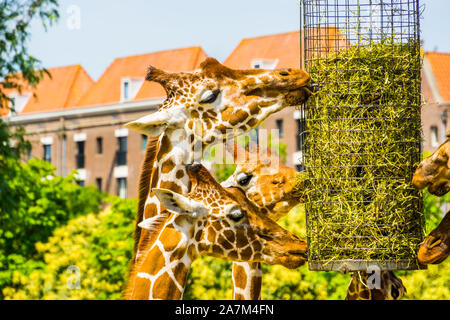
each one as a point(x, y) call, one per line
point(243, 179)
point(236, 214)
point(209, 96)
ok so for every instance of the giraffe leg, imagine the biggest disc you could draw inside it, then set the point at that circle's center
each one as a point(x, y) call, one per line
point(247, 278)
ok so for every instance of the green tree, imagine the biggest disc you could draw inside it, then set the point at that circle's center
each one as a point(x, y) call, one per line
point(34, 203)
point(17, 67)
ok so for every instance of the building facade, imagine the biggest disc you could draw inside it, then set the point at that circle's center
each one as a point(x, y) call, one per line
point(78, 124)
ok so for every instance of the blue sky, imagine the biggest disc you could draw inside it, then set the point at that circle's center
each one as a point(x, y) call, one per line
point(117, 28)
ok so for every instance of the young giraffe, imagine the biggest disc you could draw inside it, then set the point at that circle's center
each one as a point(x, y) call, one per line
point(276, 189)
point(209, 220)
point(204, 106)
point(434, 173)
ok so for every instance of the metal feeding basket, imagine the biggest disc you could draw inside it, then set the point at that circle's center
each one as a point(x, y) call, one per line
point(363, 134)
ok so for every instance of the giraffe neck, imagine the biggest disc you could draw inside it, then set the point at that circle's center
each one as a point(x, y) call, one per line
point(247, 280)
point(168, 171)
point(161, 270)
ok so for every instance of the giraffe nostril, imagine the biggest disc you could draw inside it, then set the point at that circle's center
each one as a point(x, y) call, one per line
point(284, 73)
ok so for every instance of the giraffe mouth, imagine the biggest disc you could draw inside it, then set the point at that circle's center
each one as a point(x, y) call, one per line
point(298, 253)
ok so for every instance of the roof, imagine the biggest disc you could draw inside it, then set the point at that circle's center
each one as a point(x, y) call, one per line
point(62, 90)
point(284, 47)
point(107, 90)
point(440, 65)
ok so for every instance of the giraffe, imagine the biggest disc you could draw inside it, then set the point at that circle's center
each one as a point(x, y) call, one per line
point(436, 246)
point(208, 220)
point(391, 287)
point(201, 108)
point(276, 190)
point(270, 189)
point(434, 171)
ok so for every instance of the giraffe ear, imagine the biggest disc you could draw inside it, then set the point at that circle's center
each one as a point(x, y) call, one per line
point(179, 204)
point(152, 124)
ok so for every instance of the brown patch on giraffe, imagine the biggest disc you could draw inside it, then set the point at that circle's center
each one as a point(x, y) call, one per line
point(171, 186)
point(238, 117)
point(240, 277)
point(190, 124)
point(224, 243)
point(241, 238)
point(167, 166)
point(157, 259)
point(217, 250)
point(171, 239)
point(229, 235)
point(238, 296)
point(222, 128)
point(179, 174)
point(256, 245)
point(255, 284)
point(247, 253)
point(150, 210)
point(164, 148)
point(195, 114)
point(164, 287)
point(365, 294)
point(155, 177)
point(180, 273)
point(141, 289)
point(254, 108)
point(233, 254)
point(211, 235)
point(198, 235)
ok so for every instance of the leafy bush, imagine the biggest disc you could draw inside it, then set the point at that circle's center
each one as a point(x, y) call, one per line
point(86, 259)
point(34, 203)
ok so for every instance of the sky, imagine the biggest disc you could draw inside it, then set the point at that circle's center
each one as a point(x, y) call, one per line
point(94, 33)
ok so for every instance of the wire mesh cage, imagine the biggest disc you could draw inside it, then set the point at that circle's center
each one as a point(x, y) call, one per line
point(363, 134)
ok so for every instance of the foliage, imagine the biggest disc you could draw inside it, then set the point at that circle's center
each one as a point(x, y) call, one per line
point(93, 249)
point(34, 203)
point(17, 66)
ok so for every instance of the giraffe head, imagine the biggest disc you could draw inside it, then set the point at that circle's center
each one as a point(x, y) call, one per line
point(390, 287)
point(224, 224)
point(436, 246)
point(215, 101)
point(434, 171)
point(268, 183)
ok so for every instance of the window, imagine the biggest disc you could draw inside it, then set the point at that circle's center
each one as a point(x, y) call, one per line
point(98, 181)
point(280, 127)
point(434, 136)
point(300, 133)
point(122, 151)
point(122, 187)
point(99, 145)
point(264, 63)
point(126, 90)
point(48, 152)
point(80, 155)
point(80, 183)
point(144, 142)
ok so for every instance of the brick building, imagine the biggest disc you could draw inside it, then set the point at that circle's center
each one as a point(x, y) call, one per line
point(77, 124)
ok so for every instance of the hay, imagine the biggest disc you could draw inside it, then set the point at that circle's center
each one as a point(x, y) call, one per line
point(362, 146)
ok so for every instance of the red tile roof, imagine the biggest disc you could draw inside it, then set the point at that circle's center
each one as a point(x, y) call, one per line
point(107, 89)
point(440, 64)
point(283, 46)
point(62, 90)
